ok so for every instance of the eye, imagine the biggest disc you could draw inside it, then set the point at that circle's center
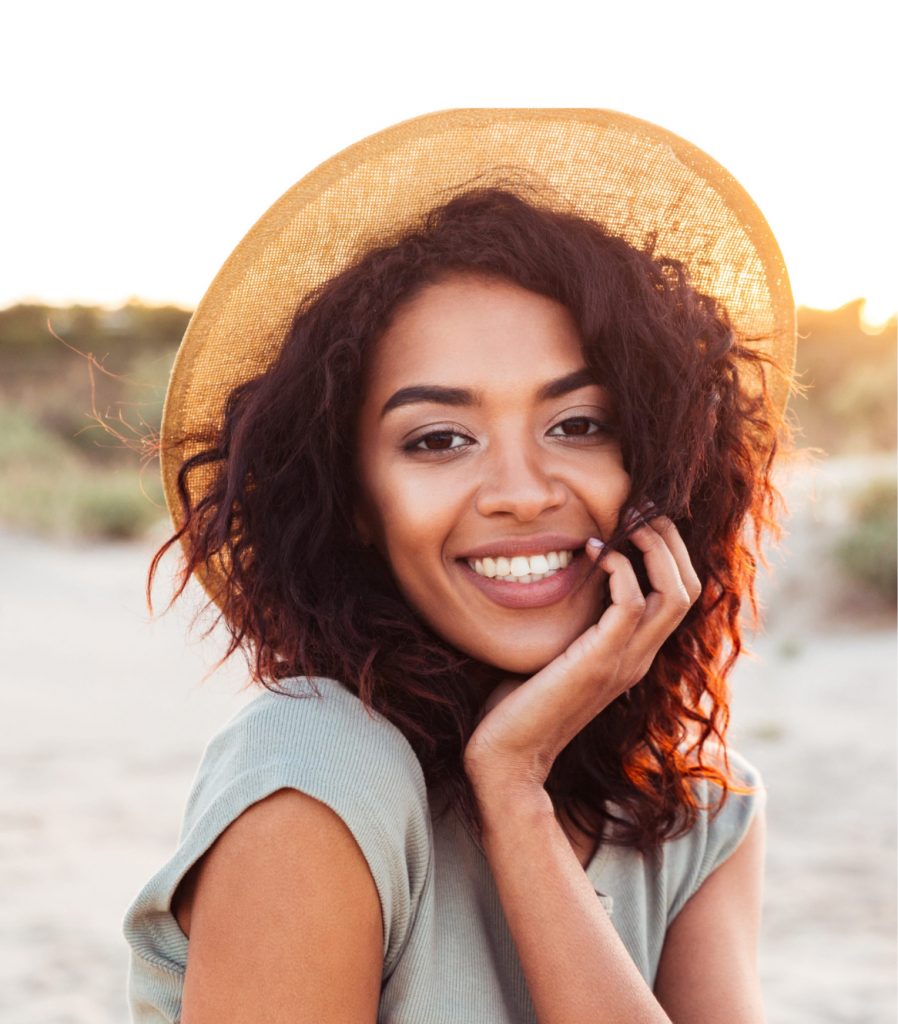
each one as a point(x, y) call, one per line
point(418, 444)
point(584, 423)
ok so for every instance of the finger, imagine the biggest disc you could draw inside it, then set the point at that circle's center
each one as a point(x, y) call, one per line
point(604, 661)
point(669, 600)
point(639, 626)
point(620, 619)
point(672, 538)
point(599, 665)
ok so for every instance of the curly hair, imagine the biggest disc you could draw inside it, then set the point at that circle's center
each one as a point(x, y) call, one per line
point(698, 432)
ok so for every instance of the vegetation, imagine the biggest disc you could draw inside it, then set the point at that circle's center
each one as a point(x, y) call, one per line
point(64, 373)
point(868, 550)
point(47, 486)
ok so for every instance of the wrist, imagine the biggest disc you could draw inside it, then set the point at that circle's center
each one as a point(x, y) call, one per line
point(501, 796)
point(490, 774)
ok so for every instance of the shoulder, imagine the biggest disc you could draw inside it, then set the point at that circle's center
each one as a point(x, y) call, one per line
point(316, 732)
point(719, 827)
point(318, 739)
point(646, 891)
point(308, 715)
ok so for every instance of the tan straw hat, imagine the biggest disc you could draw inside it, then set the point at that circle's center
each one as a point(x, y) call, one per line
point(633, 177)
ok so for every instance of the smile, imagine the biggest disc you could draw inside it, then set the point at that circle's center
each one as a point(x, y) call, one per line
point(522, 589)
point(521, 568)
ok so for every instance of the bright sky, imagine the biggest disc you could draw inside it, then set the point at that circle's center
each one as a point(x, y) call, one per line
point(143, 140)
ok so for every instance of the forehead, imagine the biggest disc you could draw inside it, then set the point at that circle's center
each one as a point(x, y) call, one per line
point(469, 329)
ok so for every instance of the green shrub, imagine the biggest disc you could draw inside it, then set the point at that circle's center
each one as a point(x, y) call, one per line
point(868, 551)
point(109, 504)
point(25, 443)
point(48, 487)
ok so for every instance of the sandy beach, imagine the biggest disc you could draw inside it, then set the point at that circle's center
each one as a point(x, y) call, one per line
point(105, 716)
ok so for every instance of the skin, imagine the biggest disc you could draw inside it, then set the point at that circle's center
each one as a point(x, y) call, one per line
point(513, 470)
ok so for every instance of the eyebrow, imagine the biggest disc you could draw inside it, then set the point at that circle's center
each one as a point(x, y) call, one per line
point(441, 395)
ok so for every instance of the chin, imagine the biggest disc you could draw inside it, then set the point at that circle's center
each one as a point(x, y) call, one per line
point(526, 662)
point(522, 651)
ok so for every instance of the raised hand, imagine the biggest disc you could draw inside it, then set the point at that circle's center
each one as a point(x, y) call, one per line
point(525, 726)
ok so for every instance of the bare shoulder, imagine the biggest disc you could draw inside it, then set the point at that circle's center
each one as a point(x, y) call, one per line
point(284, 920)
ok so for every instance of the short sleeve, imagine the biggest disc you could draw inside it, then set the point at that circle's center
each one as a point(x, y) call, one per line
point(330, 747)
point(690, 859)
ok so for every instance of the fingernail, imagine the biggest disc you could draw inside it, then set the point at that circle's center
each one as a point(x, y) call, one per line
point(595, 544)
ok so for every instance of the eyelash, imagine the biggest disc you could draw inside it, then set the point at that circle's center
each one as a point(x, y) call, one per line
point(412, 446)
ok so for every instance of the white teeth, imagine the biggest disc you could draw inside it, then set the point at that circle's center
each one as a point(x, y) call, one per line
point(520, 568)
point(539, 564)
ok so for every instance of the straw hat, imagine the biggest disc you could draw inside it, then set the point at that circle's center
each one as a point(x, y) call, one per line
point(631, 176)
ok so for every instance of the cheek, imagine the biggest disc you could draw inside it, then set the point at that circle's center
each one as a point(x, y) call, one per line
point(608, 495)
point(416, 517)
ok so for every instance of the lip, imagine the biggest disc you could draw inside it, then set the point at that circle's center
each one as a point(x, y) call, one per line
point(531, 595)
point(538, 544)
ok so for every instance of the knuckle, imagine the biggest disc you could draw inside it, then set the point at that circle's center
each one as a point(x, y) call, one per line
point(663, 524)
point(680, 610)
point(617, 561)
point(682, 600)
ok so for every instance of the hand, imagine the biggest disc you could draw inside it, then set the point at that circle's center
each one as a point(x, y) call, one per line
point(526, 725)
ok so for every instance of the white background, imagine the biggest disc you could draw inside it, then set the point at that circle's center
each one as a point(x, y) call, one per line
point(142, 141)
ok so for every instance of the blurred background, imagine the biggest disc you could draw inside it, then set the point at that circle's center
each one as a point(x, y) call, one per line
point(143, 143)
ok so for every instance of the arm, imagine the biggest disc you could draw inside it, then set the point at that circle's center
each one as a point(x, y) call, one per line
point(284, 921)
point(576, 967)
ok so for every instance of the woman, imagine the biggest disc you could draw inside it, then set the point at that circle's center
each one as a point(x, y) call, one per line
point(468, 478)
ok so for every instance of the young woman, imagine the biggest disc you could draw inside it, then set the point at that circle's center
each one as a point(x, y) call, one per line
point(469, 458)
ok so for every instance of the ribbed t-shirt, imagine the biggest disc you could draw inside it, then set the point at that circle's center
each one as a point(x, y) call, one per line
point(449, 957)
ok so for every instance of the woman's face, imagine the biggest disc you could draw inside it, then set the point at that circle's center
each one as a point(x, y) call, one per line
point(464, 448)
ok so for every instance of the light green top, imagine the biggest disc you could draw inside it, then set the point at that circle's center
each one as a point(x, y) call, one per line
point(448, 954)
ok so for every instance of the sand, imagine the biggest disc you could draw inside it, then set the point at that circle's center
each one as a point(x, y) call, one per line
point(104, 719)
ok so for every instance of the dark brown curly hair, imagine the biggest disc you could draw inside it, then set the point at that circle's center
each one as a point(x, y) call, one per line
point(698, 432)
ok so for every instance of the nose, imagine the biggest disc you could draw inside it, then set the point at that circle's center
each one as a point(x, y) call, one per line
point(519, 480)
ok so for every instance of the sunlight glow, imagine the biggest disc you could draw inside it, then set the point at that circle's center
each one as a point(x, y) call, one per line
point(875, 315)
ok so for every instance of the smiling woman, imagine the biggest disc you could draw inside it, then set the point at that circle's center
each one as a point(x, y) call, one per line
point(476, 510)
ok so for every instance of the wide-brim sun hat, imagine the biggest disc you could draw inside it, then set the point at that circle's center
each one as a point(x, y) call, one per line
point(638, 180)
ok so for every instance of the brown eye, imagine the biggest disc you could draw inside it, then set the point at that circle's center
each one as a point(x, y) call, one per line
point(582, 426)
point(421, 444)
point(581, 423)
point(443, 441)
